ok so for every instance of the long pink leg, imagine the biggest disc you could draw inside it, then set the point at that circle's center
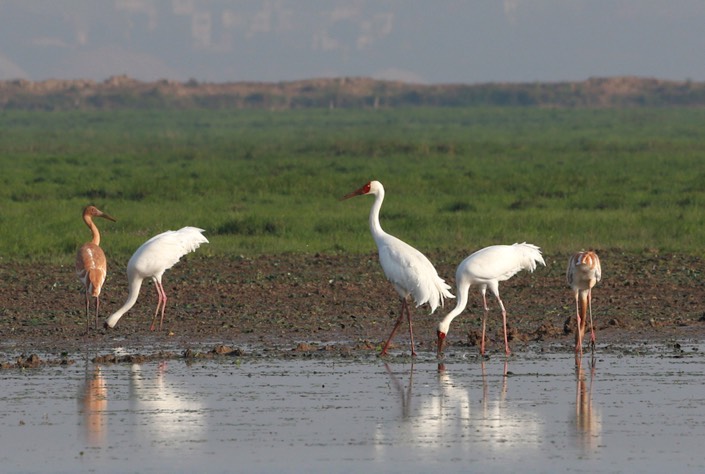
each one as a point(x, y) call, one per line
point(578, 334)
point(163, 305)
point(160, 303)
point(396, 325)
point(592, 330)
point(504, 322)
point(88, 311)
point(411, 329)
point(484, 321)
point(97, 306)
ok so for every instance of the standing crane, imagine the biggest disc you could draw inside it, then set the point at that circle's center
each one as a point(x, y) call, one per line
point(91, 265)
point(411, 273)
point(583, 272)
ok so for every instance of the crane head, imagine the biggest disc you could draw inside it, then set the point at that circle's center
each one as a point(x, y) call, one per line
point(95, 212)
point(441, 343)
point(359, 192)
point(442, 332)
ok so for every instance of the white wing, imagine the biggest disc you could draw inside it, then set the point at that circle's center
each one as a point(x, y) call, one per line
point(501, 262)
point(163, 251)
point(411, 272)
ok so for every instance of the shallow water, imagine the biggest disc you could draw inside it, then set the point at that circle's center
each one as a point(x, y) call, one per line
point(634, 410)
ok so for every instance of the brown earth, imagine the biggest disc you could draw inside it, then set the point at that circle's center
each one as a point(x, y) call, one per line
point(334, 305)
point(126, 92)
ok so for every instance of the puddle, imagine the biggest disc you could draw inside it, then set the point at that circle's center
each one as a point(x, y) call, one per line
point(637, 412)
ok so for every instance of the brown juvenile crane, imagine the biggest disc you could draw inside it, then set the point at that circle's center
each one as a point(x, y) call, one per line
point(91, 266)
point(584, 271)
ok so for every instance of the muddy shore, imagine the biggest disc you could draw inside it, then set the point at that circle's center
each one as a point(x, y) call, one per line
point(333, 305)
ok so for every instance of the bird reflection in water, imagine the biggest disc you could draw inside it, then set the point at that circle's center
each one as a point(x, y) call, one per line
point(164, 411)
point(505, 423)
point(93, 405)
point(444, 414)
point(404, 392)
point(485, 387)
point(588, 422)
point(425, 421)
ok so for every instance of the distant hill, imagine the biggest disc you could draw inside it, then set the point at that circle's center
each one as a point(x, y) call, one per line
point(124, 92)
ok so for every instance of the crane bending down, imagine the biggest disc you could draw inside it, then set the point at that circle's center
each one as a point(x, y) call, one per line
point(583, 272)
point(411, 273)
point(151, 260)
point(91, 266)
point(486, 268)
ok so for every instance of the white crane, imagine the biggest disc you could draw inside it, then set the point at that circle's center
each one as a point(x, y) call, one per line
point(411, 273)
point(486, 268)
point(151, 260)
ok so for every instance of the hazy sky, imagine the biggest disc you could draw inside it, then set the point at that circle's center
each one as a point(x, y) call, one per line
point(428, 41)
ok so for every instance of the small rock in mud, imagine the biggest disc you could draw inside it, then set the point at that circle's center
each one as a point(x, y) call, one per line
point(365, 346)
point(222, 350)
point(513, 334)
point(569, 325)
point(217, 351)
point(113, 359)
point(189, 354)
point(225, 350)
point(475, 337)
point(31, 362)
point(547, 331)
point(304, 347)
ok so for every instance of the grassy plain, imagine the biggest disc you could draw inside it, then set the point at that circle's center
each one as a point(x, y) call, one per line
point(268, 182)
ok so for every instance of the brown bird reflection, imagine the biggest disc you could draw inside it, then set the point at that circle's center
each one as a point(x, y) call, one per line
point(588, 422)
point(93, 405)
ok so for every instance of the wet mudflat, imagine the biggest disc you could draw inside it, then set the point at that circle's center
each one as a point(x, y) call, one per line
point(638, 408)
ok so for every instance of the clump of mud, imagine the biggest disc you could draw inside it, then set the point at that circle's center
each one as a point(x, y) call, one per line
point(33, 361)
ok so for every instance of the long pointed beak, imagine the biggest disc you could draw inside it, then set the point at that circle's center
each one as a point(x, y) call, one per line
point(441, 344)
point(107, 216)
point(357, 192)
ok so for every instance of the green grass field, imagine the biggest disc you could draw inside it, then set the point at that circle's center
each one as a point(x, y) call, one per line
point(457, 179)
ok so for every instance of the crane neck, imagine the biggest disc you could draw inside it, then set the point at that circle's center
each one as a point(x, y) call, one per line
point(133, 293)
point(460, 305)
point(375, 226)
point(94, 229)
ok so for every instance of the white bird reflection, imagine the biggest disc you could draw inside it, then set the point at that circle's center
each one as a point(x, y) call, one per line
point(449, 414)
point(404, 392)
point(505, 424)
point(588, 421)
point(164, 413)
point(425, 425)
point(93, 406)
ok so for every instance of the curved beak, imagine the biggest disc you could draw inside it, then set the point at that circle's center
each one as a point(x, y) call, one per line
point(441, 344)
